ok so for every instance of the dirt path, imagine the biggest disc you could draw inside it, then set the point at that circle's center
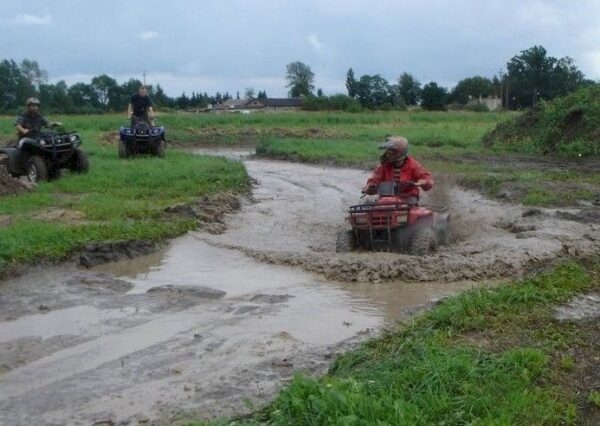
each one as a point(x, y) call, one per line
point(218, 319)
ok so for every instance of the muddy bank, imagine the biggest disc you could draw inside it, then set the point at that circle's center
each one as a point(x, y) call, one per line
point(8, 184)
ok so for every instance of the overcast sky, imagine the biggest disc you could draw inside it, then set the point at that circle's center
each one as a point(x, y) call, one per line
point(229, 45)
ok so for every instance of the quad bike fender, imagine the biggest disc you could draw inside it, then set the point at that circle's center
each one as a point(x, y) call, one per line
point(421, 216)
point(14, 160)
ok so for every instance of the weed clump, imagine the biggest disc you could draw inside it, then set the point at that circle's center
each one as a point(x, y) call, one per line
point(567, 126)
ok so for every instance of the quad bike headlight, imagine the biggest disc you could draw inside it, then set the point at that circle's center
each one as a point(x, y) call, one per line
point(43, 142)
point(401, 218)
point(73, 138)
point(361, 220)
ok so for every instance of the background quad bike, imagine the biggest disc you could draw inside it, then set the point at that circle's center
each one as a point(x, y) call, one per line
point(141, 138)
point(42, 156)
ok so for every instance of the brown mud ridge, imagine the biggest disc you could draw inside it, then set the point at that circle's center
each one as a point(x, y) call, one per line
point(8, 184)
point(209, 211)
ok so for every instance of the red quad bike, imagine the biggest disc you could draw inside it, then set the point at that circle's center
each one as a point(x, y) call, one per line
point(391, 222)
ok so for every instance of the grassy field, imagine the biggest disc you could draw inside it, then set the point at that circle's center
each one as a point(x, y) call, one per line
point(486, 357)
point(124, 199)
point(117, 200)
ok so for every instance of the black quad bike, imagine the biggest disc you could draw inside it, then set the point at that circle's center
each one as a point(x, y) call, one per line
point(142, 138)
point(391, 221)
point(43, 154)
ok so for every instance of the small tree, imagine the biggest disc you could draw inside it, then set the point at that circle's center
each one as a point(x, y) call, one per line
point(248, 93)
point(409, 89)
point(300, 79)
point(105, 88)
point(434, 97)
point(472, 87)
point(351, 83)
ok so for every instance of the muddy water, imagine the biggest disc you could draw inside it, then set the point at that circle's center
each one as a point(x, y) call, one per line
point(216, 320)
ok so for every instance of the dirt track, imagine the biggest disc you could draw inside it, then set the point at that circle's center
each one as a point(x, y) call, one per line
point(218, 318)
point(490, 239)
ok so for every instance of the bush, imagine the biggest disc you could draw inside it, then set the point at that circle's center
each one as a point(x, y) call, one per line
point(477, 107)
point(569, 126)
point(330, 103)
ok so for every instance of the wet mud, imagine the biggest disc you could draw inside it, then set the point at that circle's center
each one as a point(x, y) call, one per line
point(300, 209)
point(8, 184)
point(219, 320)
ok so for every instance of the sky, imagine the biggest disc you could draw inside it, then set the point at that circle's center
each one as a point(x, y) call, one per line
point(230, 45)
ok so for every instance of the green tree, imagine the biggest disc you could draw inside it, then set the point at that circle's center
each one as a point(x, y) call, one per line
point(472, 87)
point(373, 91)
point(33, 73)
point(161, 99)
point(14, 87)
point(351, 83)
point(106, 88)
point(409, 89)
point(262, 95)
point(248, 93)
point(55, 97)
point(533, 75)
point(84, 98)
point(434, 97)
point(300, 79)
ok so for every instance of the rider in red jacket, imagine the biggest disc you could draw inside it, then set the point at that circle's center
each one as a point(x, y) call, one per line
point(397, 166)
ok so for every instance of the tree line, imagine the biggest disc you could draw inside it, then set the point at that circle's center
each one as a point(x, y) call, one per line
point(19, 81)
point(530, 77)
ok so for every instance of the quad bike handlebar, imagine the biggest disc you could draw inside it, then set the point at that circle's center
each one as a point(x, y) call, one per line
point(390, 188)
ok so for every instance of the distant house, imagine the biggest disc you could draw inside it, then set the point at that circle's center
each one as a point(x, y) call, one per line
point(492, 103)
point(279, 104)
point(231, 104)
point(266, 104)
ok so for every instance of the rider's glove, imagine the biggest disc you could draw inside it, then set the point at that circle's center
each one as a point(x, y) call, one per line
point(371, 189)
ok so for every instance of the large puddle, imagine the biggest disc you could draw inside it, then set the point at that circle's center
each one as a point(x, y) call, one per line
point(214, 322)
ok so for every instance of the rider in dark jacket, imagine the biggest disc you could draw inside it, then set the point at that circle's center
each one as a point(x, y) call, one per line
point(31, 121)
point(140, 107)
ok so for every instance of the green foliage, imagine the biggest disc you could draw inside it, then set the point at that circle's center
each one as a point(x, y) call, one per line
point(433, 97)
point(534, 76)
point(471, 88)
point(373, 91)
point(409, 89)
point(300, 79)
point(594, 398)
point(566, 126)
point(331, 103)
point(351, 83)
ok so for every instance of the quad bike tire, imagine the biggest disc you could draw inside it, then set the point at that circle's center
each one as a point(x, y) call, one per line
point(158, 149)
point(123, 151)
point(344, 242)
point(4, 161)
point(80, 162)
point(37, 171)
point(423, 242)
point(401, 241)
